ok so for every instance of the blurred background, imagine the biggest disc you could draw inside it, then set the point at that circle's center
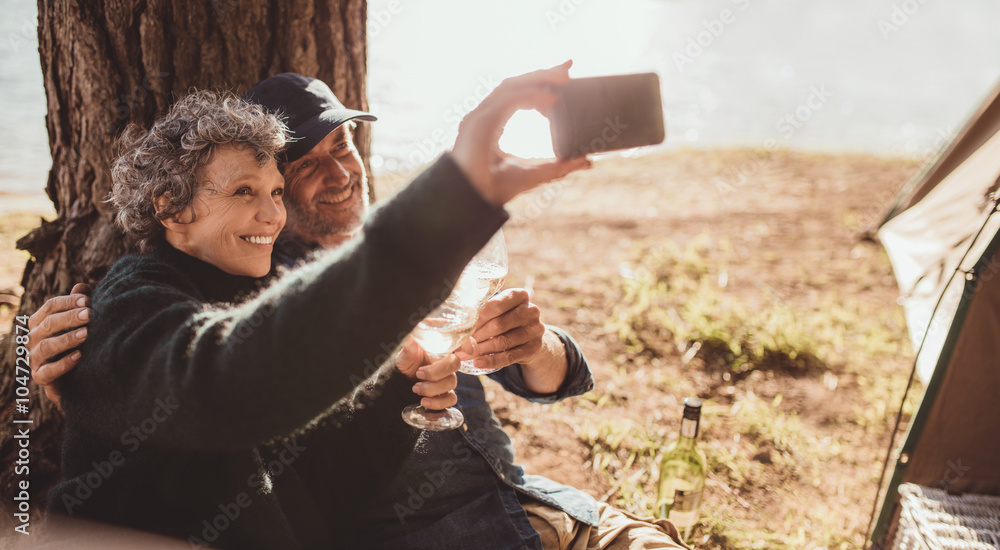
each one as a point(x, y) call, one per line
point(896, 77)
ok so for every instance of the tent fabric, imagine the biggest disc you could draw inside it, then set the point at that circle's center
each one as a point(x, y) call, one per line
point(959, 446)
point(926, 243)
point(925, 454)
point(981, 126)
point(943, 240)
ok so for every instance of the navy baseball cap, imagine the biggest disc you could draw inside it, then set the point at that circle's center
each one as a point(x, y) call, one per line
point(308, 106)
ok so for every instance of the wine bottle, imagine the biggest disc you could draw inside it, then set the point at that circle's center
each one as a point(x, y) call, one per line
point(682, 474)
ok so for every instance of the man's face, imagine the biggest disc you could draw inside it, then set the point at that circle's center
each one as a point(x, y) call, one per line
point(327, 191)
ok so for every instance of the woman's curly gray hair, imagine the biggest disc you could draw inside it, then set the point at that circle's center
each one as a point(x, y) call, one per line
point(163, 162)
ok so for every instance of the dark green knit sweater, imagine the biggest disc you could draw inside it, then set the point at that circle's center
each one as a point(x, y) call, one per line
point(182, 400)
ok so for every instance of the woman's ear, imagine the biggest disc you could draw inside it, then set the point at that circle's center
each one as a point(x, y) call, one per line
point(171, 223)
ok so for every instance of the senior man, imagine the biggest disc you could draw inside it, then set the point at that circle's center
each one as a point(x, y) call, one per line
point(461, 488)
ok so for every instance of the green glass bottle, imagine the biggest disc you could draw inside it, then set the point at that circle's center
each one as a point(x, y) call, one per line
point(682, 474)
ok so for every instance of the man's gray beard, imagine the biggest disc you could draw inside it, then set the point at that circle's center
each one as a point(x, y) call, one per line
point(311, 221)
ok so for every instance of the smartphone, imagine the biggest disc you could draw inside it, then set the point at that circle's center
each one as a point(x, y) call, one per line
point(607, 113)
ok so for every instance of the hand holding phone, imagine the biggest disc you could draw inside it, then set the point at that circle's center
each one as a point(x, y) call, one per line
point(607, 113)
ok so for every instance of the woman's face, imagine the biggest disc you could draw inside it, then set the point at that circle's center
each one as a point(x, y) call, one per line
point(238, 213)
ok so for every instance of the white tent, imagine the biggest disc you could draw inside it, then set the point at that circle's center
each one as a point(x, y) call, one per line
point(942, 239)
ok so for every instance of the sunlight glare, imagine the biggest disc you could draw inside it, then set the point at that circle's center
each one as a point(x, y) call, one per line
point(527, 136)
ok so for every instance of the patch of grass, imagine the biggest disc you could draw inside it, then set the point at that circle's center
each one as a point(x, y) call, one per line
point(752, 449)
point(882, 395)
point(678, 297)
point(720, 528)
point(764, 435)
point(625, 454)
point(679, 301)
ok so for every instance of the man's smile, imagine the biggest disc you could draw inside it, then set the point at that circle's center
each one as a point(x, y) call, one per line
point(336, 197)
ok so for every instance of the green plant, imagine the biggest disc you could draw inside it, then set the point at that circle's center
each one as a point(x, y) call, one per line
point(676, 300)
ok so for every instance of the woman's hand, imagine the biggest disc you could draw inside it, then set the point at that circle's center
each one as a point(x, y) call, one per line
point(498, 176)
point(436, 380)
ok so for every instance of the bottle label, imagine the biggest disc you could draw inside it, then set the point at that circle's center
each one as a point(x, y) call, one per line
point(686, 501)
point(684, 512)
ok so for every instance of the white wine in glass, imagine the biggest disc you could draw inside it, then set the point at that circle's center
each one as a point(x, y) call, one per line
point(479, 281)
point(443, 331)
point(439, 334)
point(488, 270)
point(490, 275)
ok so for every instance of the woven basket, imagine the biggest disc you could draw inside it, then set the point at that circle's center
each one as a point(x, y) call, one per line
point(931, 519)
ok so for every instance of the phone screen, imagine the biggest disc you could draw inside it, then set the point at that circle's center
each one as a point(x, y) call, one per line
point(607, 113)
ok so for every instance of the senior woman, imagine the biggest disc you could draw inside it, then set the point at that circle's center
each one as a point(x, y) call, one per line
point(170, 413)
point(176, 419)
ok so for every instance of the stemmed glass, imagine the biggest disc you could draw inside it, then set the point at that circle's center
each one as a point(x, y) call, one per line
point(481, 279)
point(454, 321)
point(441, 333)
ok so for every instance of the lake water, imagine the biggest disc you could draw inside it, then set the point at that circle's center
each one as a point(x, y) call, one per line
point(890, 77)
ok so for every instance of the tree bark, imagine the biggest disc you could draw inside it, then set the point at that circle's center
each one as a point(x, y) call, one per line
point(108, 63)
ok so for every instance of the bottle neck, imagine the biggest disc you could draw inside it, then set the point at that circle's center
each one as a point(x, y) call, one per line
point(689, 432)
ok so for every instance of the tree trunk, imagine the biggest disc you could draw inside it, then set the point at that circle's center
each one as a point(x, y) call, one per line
point(107, 63)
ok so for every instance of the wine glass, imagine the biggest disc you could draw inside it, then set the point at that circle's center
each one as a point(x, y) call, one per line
point(481, 279)
point(441, 333)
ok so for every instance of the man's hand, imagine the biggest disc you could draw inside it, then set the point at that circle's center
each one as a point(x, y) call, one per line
point(46, 339)
point(436, 380)
point(498, 176)
point(510, 330)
